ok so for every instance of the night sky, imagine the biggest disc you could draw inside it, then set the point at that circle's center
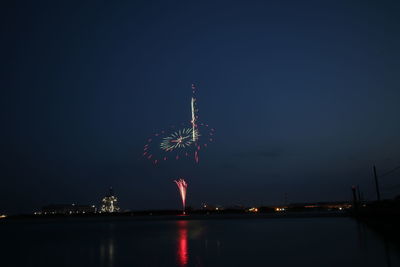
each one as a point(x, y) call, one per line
point(304, 97)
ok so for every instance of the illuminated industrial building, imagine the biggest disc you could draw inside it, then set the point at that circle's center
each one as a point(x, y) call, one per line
point(109, 203)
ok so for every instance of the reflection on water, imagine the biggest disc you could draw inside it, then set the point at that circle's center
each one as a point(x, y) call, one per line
point(364, 236)
point(387, 253)
point(182, 250)
point(107, 249)
point(107, 253)
point(235, 242)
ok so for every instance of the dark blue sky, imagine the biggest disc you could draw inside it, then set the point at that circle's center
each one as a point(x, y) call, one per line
point(304, 96)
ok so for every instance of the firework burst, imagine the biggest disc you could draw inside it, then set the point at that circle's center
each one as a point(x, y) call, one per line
point(184, 141)
point(182, 187)
point(177, 143)
point(179, 139)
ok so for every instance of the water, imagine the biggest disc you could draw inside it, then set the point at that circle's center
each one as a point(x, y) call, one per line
point(234, 242)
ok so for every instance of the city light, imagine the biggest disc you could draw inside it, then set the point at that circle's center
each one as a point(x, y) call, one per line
point(253, 210)
point(279, 209)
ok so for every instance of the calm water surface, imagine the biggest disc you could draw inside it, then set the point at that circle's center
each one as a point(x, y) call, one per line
point(235, 242)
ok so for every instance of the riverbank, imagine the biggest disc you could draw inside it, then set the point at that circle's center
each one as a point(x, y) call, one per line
point(382, 217)
point(172, 215)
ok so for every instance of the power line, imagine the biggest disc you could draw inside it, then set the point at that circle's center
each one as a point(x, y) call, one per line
point(387, 187)
point(389, 172)
point(391, 190)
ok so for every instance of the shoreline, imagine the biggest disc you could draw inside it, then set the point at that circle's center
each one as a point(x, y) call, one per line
point(159, 216)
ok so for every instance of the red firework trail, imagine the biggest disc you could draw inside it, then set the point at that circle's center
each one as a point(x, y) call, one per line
point(182, 186)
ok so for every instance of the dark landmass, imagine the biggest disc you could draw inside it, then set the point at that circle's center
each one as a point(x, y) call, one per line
point(383, 217)
point(173, 215)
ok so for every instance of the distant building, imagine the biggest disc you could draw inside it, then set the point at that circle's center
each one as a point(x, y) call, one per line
point(68, 209)
point(110, 203)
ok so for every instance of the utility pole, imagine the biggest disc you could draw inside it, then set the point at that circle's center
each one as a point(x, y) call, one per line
point(359, 194)
point(285, 200)
point(378, 194)
point(355, 202)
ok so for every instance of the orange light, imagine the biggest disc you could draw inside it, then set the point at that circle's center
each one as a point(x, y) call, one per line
point(253, 209)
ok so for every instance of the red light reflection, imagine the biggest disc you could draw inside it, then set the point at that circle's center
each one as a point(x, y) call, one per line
point(182, 249)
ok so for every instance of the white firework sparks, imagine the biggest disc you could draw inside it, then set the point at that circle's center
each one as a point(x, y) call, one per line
point(179, 139)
